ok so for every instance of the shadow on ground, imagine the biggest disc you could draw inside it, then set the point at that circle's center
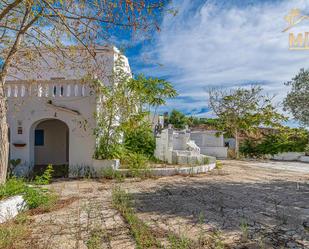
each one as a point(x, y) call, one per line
point(276, 209)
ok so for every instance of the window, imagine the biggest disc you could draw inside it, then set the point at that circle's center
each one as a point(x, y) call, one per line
point(39, 137)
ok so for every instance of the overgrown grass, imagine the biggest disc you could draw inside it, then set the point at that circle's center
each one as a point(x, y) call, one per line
point(110, 173)
point(13, 233)
point(141, 232)
point(145, 237)
point(180, 242)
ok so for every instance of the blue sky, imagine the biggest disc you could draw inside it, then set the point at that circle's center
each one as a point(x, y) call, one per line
point(220, 43)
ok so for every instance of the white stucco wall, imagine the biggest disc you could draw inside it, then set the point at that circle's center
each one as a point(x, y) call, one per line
point(32, 100)
point(28, 112)
point(207, 138)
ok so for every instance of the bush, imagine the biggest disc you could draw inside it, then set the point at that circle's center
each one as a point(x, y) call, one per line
point(110, 173)
point(140, 140)
point(46, 177)
point(287, 140)
point(34, 196)
point(13, 186)
point(37, 197)
point(307, 150)
point(135, 162)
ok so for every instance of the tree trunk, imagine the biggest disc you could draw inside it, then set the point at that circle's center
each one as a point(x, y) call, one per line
point(236, 145)
point(4, 140)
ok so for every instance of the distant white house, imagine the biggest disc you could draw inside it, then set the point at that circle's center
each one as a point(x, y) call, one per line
point(51, 113)
point(185, 147)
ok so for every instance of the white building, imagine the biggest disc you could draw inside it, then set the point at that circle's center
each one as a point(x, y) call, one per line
point(51, 113)
point(186, 147)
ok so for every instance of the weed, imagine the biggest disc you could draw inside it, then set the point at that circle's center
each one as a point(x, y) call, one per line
point(97, 237)
point(141, 232)
point(206, 160)
point(244, 230)
point(180, 242)
point(216, 240)
point(219, 165)
point(12, 234)
point(110, 173)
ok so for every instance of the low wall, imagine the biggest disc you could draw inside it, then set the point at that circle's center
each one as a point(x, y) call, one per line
point(176, 170)
point(10, 207)
point(288, 156)
point(94, 170)
point(219, 152)
point(304, 159)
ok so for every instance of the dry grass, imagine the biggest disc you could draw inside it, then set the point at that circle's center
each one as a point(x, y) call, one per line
point(13, 233)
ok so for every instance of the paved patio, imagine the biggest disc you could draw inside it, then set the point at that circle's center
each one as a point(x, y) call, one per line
point(271, 198)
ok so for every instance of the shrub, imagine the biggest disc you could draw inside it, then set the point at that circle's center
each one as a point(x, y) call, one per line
point(13, 186)
point(307, 150)
point(287, 140)
point(34, 196)
point(46, 177)
point(110, 173)
point(37, 197)
point(136, 163)
point(140, 140)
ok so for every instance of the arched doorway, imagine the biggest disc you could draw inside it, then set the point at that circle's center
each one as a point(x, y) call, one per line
point(51, 146)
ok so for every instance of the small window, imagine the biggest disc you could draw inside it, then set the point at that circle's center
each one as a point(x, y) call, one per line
point(61, 91)
point(39, 138)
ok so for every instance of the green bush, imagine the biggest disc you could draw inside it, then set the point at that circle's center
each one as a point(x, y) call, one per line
point(13, 186)
point(287, 140)
point(136, 163)
point(307, 150)
point(34, 196)
point(140, 140)
point(46, 177)
point(37, 197)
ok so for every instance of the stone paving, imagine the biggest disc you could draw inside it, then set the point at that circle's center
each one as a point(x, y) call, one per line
point(272, 203)
point(71, 227)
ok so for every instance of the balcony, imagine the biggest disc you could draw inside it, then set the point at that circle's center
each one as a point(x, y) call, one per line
point(50, 89)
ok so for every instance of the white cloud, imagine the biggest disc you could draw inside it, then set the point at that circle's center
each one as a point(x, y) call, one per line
point(214, 46)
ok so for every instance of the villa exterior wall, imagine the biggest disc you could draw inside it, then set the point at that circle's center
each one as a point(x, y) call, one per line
point(28, 112)
point(56, 95)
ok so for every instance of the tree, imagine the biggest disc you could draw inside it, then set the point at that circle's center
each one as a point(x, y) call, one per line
point(297, 100)
point(178, 119)
point(152, 92)
point(121, 121)
point(29, 26)
point(243, 111)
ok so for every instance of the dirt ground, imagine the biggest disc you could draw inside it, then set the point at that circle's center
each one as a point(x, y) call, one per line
point(251, 206)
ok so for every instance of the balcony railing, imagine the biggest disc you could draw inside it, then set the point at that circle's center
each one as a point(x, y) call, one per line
point(50, 89)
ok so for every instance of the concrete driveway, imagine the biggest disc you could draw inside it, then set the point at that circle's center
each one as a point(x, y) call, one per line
point(277, 165)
